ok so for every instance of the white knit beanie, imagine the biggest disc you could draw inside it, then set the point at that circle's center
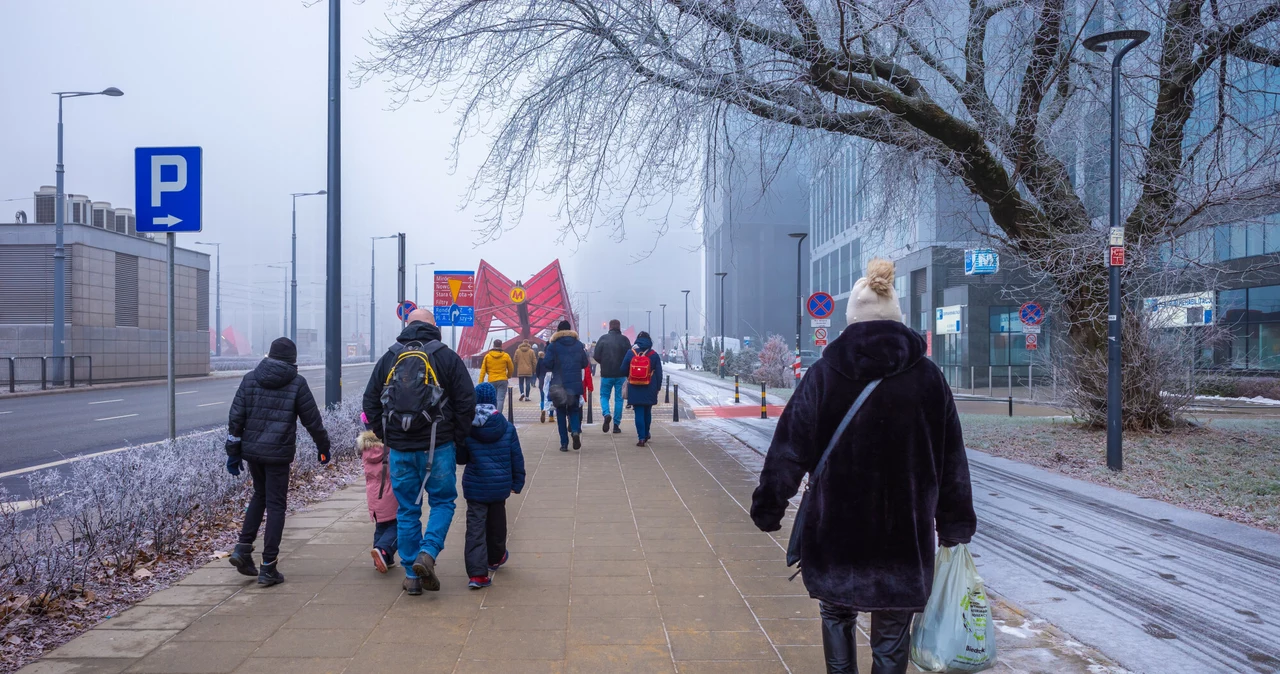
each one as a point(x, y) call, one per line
point(873, 297)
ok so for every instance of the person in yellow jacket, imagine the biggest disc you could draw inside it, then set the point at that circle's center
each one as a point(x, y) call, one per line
point(497, 367)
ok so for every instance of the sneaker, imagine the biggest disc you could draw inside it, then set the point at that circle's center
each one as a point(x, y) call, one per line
point(478, 582)
point(412, 586)
point(542, 417)
point(379, 559)
point(242, 559)
point(564, 448)
point(269, 575)
point(505, 556)
point(616, 429)
point(607, 420)
point(577, 441)
point(641, 443)
point(425, 567)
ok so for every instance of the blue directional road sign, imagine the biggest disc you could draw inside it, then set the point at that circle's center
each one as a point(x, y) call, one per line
point(821, 305)
point(981, 262)
point(167, 189)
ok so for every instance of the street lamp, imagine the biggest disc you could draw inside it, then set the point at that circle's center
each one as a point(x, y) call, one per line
point(59, 250)
point(415, 278)
point(664, 330)
point(1098, 43)
point(799, 237)
point(722, 274)
point(293, 264)
point(217, 312)
point(373, 277)
point(686, 328)
point(649, 324)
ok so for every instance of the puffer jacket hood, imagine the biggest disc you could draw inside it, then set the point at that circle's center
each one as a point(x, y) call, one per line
point(566, 337)
point(644, 343)
point(491, 430)
point(874, 349)
point(274, 374)
point(418, 332)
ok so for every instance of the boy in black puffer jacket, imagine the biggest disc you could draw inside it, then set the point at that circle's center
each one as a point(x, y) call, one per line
point(263, 431)
point(496, 469)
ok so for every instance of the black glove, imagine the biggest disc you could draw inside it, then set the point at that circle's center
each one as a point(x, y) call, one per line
point(766, 521)
point(234, 464)
point(233, 445)
point(461, 455)
point(323, 456)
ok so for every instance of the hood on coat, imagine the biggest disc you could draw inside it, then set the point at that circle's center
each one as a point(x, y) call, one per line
point(369, 447)
point(274, 374)
point(566, 337)
point(483, 412)
point(874, 349)
point(524, 347)
point(644, 343)
point(492, 430)
point(418, 332)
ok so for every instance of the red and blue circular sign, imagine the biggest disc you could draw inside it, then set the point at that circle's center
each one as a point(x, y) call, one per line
point(403, 310)
point(821, 305)
point(1031, 314)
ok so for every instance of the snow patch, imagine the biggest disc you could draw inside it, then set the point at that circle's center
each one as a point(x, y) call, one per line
point(1259, 400)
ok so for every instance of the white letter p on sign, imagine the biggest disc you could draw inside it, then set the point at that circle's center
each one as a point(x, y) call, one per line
point(159, 186)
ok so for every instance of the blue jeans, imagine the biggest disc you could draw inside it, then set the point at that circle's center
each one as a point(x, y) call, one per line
point(385, 535)
point(572, 416)
point(408, 469)
point(614, 385)
point(644, 419)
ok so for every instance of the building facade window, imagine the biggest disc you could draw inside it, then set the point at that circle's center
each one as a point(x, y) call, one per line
point(1252, 316)
point(1009, 341)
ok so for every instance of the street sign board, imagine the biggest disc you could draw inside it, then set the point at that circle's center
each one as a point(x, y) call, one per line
point(1117, 256)
point(166, 188)
point(819, 342)
point(947, 320)
point(1031, 313)
point(981, 262)
point(821, 305)
point(1117, 236)
point(820, 334)
point(1033, 341)
point(403, 310)
point(454, 298)
point(1031, 329)
point(1181, 311)
point(518, 295)
point(820, 322)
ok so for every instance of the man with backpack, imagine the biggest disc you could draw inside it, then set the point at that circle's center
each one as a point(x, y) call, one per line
point(609, 352)
point(420, 402)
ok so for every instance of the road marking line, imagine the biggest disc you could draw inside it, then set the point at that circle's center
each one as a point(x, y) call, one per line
point(122, 416)
point(208, 404)
point(182, 393)
point(7, 412)
point(103, 402)
point(63, 462)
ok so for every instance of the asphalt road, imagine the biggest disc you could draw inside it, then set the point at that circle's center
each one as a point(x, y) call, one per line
point(41, 429)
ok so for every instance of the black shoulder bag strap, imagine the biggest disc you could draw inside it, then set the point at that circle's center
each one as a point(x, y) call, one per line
point(793, 546)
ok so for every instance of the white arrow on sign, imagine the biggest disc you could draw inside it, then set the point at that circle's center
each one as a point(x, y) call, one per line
point(167, 221)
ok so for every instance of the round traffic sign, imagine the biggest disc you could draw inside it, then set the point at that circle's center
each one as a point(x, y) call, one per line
point(820, 333)
point(403, 310)
point(1031, 314)
point(821, 305)
point(518, 295)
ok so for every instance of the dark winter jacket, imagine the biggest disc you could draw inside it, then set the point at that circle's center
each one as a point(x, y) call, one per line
point(266, 410)
point(610, 351)
point(496, 467)
point(566, 359)
point(644, 395)
point(460, 395)
point(898, 471)
point(540, 373)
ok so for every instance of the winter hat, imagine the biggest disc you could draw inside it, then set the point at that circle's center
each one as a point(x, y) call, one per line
point(873, 297)
point(563, 325)
point(486, 394)
point(284, 349)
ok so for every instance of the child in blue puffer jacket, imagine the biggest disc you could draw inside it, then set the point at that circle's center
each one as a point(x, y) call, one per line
point(496, 469)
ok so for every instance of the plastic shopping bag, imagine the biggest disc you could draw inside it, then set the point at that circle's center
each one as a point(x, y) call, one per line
point(955, 633)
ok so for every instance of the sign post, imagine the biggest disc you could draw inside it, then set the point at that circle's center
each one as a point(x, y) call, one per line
point(167, 196)
point(820, 306)
point(453, 300)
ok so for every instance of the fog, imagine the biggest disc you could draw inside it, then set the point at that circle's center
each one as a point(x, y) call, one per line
point(247, 82)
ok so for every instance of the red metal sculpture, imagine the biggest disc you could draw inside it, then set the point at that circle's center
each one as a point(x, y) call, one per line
point(530, 308)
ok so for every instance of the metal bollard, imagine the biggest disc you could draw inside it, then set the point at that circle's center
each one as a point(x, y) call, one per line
point(1008, 376)
point(667, 399)
point(73, 370)
point(991, 390)
point(736, 399)
point(764, 405)
point(511, 404)
point(44, 373)
point(675, 407)
point(973, 384)
point(590, 405)
point(12, 375)
point(1010, 405)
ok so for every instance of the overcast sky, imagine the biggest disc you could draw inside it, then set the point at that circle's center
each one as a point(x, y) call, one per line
point(246, 80)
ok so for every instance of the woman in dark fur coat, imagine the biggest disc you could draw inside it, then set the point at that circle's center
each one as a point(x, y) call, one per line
point(896, 476)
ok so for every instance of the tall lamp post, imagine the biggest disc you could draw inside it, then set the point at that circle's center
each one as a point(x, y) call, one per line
point(799, 237)
point(293, 264)
point(333, 219)
point(217, 312)
point(686, 328)
point(721, 274)
point(373, 279)
point(59, 250)
point(649, 322)
point(664, 330)
point(1115, 421)
point(415, 277)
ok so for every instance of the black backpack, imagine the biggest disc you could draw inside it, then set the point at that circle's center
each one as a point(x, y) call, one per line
point(412, 399)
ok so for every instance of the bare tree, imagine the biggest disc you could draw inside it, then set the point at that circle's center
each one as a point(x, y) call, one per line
point(631, 96)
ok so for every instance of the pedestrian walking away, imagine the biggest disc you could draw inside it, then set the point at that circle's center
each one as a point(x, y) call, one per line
point(566, 360)
point(609, 352)
point(497, 368)
point(885, 475)
point(526, 360)
point(494, 472)
point(380, 497)
point(263, 431)
point(420, 402)
point(541, 375)
point(644, 383)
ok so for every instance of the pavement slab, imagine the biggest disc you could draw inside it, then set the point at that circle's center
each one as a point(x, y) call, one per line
point(623, 559)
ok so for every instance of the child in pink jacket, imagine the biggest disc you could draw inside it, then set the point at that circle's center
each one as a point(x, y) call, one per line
point(382, 501)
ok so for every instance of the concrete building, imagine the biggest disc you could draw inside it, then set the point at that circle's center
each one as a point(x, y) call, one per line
point(116, 301)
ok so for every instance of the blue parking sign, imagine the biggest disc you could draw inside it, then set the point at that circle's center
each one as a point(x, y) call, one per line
point(167, 189)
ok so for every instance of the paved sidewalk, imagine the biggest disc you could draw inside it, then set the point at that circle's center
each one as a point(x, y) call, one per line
point(623, 559)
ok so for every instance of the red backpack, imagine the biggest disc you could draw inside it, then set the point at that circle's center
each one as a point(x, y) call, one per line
point(641, 371)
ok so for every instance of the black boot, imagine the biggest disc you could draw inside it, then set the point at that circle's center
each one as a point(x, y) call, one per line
point(269, 575)
point(890, 641)
point(837, 638)
point(242, 559)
